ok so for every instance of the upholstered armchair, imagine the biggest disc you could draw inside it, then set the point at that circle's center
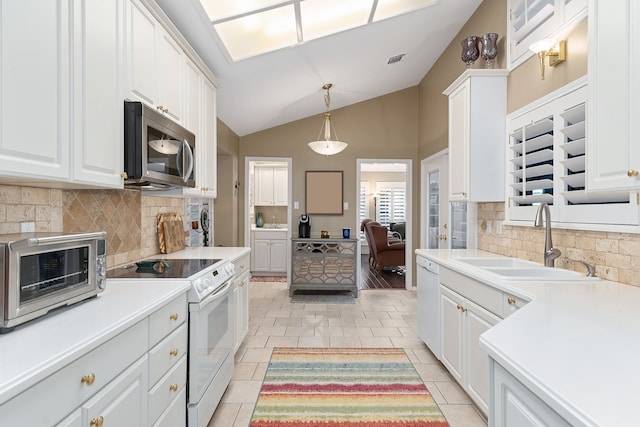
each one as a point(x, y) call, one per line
point(384, 254)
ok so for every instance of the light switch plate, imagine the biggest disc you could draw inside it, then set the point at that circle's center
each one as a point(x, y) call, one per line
point(346, 206)
point(296, 205)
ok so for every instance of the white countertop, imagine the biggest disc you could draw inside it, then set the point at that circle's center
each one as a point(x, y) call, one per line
point(267, 227)
point(39, 348)
point(576, 344)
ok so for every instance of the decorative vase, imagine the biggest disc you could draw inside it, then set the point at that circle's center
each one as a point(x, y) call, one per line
point(470, 51)
point(259, 220)
point(489, 48)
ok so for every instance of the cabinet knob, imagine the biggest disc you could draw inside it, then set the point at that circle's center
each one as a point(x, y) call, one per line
point(242, 283)
point(632, 173)
point(165, 110)
point(88, 379)
point(459, 306)
point(159, 108)
point(173, 387)
point(174, 316)
point(464, 194)
point(511, 301)
point(97, 421)
point(205, 188)
point(174, 352)
point(124, 175)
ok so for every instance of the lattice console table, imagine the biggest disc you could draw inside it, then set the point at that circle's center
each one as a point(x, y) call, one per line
point(324, 264)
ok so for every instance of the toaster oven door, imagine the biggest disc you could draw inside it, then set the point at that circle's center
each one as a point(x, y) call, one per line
point(43, 280)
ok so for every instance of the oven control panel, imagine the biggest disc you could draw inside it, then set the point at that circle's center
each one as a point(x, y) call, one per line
point(209, 281)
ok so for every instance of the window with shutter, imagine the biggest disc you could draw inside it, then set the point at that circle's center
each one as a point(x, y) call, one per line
point(547, 164)
point(391, 202)
point(533, 20)
point(363, 209)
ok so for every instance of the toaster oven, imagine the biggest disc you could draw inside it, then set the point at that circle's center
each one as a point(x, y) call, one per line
point(43, 271)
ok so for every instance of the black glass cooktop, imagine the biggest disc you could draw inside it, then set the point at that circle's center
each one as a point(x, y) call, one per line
point(161, 269)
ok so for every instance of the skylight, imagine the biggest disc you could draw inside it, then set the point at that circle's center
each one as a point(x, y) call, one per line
point(252, 27)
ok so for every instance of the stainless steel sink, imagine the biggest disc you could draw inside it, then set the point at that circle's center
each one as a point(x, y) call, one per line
point(498, 262)
point(538, 273)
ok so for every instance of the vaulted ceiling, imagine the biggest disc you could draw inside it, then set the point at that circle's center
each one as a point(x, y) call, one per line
point(270, 89)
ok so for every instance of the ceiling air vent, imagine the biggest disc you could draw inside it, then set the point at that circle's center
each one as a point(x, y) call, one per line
point(395, 58)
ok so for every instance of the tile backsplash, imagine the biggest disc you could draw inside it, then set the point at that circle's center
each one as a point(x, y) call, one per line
point(615, 255)
point(128, 217)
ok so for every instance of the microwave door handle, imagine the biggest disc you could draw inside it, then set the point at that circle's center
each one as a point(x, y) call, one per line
point(180, 160)
point(189, 156)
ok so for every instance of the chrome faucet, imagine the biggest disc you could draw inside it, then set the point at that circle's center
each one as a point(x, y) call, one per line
point(550, 253)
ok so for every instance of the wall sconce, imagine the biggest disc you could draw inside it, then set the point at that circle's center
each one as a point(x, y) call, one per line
point(556, 51)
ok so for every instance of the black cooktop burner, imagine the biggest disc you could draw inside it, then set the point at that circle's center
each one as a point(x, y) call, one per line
point(176, 269)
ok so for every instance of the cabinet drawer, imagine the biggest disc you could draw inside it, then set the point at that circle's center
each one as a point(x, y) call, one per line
point(484, 295)
point(64, 391)
point(270, 235)
point(166, 319)
point(511, 304)
point(167, 389)
point(164, 355)
point(242, 264)
point(176, 413)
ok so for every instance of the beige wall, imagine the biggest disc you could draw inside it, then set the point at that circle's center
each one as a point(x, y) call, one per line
point(490, 17)
point(382, 128)
point(225, 205)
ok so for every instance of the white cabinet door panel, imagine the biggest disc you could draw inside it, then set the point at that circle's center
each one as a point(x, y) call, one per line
point(35, 102)
point(142, 76)
point(99, 87)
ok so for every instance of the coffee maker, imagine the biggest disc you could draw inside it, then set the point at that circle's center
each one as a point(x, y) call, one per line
point(304, 227)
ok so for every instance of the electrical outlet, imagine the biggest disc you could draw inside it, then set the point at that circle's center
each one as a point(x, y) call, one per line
point(27, 227)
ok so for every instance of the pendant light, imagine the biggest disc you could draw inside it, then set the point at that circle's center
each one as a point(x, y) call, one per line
point(327, 146)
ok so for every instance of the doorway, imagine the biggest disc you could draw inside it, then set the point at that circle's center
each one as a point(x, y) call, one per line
point(268, 205)
point(384, 194)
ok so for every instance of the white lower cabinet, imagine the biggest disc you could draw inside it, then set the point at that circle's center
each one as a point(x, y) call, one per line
point(463, 322)
point(513, 404)
point(241, 299)
point(241, 302)
point(122, 402)
point(469, 308)
point(269, 251)
point(134, 379)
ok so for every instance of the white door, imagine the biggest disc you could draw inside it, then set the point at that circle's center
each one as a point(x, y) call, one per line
point(435, 196)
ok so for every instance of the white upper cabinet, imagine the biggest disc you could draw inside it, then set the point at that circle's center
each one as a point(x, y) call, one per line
point(271, 186)
point(200, 118)
point(206, 176)
point(97, 107)
point(35, 62)
point(75, 138)
point(613, 143)
point(477, 111)
point(155, 62)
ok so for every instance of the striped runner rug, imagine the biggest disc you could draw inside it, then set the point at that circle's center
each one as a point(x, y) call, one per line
point(344, 387)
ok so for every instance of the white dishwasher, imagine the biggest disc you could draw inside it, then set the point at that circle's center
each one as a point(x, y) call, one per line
point(429, 304)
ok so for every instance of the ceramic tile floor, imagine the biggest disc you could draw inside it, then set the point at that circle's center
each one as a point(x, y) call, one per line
point(380, 318)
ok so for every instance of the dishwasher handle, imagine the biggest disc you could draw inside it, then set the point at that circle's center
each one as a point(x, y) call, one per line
point(428, 265)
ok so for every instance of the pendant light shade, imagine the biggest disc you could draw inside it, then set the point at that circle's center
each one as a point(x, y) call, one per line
point(326, 145)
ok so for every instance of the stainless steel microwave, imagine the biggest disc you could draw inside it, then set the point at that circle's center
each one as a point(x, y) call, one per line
point(43, 271)
point(158, 152)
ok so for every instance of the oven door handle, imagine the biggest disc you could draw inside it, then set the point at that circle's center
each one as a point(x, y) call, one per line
point(219, 294)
